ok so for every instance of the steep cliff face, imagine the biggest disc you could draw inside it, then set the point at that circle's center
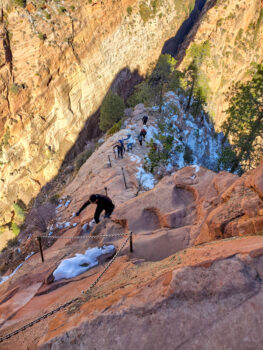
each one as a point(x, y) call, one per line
point(234, 30)
point(57, 61)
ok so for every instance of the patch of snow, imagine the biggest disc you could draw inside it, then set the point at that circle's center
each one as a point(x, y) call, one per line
point(50, 233)
point(135, 158)
point(29, 255)
point(59, 206)
point(73, 215)
point(66, 224)
point(85, 227)
point(146, 179)
point(92, 223)
point(75, 224)
point(73, 267)
point(101, 140)
point(5, 278)
point(67, 203)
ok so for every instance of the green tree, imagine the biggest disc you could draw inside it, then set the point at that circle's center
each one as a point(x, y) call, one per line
point(196, 82)
point(161, 74)
point(244, 126)
point(112, 110)
point(151, 90)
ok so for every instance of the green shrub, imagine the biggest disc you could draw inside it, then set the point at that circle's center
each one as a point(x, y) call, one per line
point(47, 15)
point(72, 7)
point(155, 5)
point(143, 93)
point(129, 10)
point(116, 127)
point(15, 228)
point(20, 3)
point(61, 9)
point(55, 198)
point(42, 36)
point(112, 109)
point(145, 12)
point(19, 211)
point(15, 89)
point(82, 157)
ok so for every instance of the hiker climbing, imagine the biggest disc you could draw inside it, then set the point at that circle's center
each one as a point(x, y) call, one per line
point(142, 135)
point(120, 148)
point(140, 138)
point(103, 203)
point(144, 119)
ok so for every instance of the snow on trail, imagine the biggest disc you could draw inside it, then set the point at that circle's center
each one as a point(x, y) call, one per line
point(73, 267)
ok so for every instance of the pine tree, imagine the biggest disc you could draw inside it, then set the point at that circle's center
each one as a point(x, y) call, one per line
point(112, 110)
point(244, 126)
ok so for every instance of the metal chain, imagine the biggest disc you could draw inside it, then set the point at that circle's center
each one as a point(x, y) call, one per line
point(63, 306)
point(86, 237)
point(107, 266)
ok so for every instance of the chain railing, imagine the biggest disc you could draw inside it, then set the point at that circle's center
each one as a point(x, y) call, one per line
point(63, 306)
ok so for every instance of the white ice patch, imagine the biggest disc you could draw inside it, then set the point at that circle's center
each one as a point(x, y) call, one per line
point(85, 227)
point(135, 158)
point(73, 215)
point(59, 206)
point(73, 267)
point(5, 278)
point(66, 224)
point(197, 168)
point(29, 255)
point(146, 179)
point(75, 224)
point(67, 203)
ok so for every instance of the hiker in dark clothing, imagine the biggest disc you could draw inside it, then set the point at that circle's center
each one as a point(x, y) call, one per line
point(119, 150)
point(144, 119)
point(143, 133)
point(103, 203)
point(140, 138)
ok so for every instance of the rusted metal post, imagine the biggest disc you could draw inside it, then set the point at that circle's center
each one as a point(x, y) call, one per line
point(124, 179)
point(109, 161)
point(40, 248)
point(131, 246)
point(106, 191)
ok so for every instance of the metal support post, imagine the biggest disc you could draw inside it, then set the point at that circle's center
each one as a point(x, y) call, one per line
point(109, 160)
point(131, 245)
point(124, 179)
point(106, 191)
point(40, 248)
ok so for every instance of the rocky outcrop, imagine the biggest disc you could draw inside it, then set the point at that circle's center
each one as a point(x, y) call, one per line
point(197, 291)
point(57, 62)
point(234, 31)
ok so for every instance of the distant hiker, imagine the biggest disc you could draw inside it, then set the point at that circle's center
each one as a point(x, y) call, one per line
point(130, 144)
point(140, 138)
point(119, 151)
point(143, 133)
point(103, 203)
point(144, 119)
point(120, 148)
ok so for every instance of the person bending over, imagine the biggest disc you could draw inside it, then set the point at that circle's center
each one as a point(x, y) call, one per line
point(103, 203)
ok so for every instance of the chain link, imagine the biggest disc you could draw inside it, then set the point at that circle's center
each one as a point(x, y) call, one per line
point(86, 237)
point(63, 306)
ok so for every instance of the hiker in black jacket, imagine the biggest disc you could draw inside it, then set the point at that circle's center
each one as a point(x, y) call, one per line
point(103, 203)
point(144, 119)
